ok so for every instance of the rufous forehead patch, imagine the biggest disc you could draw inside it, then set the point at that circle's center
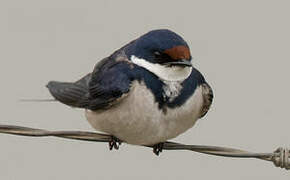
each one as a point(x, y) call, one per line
point(178, 52)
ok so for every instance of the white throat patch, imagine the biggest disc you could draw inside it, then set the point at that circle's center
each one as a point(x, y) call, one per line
point(171, 90)
point(173, 73)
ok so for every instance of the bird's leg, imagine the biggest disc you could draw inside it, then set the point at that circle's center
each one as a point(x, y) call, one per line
point(114, 143)
point(157, 148)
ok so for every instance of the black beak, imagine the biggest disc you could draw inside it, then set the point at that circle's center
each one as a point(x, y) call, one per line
point(182, 62)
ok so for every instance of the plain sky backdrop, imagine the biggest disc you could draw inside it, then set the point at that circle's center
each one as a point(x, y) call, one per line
point(241, 47)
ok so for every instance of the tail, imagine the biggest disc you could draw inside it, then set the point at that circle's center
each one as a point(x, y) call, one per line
point(73, 94)
point(37, 100)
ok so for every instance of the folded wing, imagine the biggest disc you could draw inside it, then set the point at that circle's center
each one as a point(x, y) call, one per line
point(106, 85)
point(207, 99)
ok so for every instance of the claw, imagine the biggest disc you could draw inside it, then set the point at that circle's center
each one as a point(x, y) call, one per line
point(114, 143)
point(157, 148)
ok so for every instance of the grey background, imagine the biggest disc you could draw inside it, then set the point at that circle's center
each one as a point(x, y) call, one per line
point(242, 48)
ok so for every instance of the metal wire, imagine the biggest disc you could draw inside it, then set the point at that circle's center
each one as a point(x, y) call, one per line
point(280, 157)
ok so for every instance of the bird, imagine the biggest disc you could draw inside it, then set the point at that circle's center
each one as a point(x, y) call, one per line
point(144, 93)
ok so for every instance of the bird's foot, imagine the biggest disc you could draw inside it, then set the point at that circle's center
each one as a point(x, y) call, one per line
point(157, 148)
point(114, 143)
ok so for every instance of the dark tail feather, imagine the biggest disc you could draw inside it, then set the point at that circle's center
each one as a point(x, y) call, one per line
point(72, 94)
point(37, 100)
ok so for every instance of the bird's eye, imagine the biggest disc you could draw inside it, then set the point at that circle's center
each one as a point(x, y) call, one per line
point(161, 57)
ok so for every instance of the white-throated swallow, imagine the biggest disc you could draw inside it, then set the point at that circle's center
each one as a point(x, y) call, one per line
point(144, 93)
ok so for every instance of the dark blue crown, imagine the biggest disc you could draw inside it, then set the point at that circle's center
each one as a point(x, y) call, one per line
point(156, 40)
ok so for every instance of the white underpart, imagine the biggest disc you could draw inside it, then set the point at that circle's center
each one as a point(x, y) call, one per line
point(173, 73)
point(138, 120)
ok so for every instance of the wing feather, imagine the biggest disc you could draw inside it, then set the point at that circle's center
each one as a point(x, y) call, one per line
point(108, 84)
point(207, 99)
point(72, 94)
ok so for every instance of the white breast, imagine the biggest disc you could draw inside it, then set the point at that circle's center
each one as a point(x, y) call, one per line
point(138, 120)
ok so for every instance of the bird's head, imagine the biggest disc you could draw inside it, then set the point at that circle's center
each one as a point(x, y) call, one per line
point(163, 53)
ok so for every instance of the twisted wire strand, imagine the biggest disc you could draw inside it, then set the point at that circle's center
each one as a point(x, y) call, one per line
point(280, 157)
